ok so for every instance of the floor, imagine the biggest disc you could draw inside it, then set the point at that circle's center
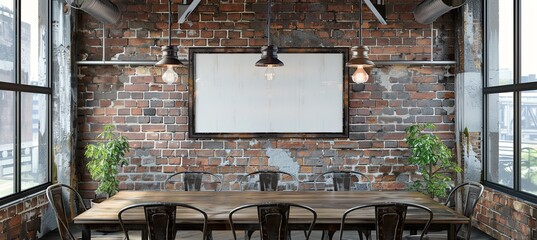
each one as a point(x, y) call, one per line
point(227, 235)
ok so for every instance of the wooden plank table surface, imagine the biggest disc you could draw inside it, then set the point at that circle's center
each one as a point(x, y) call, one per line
point(329, 205)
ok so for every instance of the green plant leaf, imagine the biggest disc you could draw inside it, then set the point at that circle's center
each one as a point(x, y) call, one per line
point(433, 158)
point(105, 158)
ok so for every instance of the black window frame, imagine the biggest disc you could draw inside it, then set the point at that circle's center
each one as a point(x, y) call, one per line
point(516, 88)
point(18, 89)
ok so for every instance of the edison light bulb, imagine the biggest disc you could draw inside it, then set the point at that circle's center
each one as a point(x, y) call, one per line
point(269, 73)
point(170, 76)
point(360, 76)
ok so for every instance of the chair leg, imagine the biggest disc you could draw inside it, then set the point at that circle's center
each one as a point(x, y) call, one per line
point(209, 235)
point(329, 234)
point(364, 233)
point(248, 234)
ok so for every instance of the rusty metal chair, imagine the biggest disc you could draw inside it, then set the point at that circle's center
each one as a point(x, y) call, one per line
point(469, 193)
point(269, 181)
point(160, 219)
point(343, 180)
point(274, 220)
point(193, 181)
point(389, 219)
point(66, 203)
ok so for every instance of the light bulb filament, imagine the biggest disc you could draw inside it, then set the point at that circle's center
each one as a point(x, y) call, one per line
point(360, 75)
point(170, 76)
point(269, 73)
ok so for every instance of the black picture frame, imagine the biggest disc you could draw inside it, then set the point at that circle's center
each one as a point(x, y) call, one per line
point(196, 53)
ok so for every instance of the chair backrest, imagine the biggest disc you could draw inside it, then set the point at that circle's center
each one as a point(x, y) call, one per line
point(160, 219)
point(193, 181)
point(342, 181)
point(66, 203)
point(273, 219)
point(471, 193)
point(269, 181)
point(389, 219)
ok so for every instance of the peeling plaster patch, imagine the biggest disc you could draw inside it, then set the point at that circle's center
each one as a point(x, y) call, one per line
point(472, 171)
point(384, 80)
point(143, 71)
point(281, 158)
point(449, 110)
point(385, 75)
point(469, 27)
point(297, 38)
point(124, 78)
point(148, 160)
point(253, 142)
point(226, 163)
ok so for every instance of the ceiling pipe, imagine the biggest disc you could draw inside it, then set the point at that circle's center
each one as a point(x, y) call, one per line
point(378, 9)
point(429, 10)
point(103, 10)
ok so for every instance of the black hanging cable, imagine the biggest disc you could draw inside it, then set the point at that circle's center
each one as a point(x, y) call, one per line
point(269, 13)
point(361, 22)
point(170, 22)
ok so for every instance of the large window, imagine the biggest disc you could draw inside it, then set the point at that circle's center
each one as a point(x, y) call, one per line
point(25, 98)
point(510, 95)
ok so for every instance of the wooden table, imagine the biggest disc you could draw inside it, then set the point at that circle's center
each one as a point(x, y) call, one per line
point(329, 206)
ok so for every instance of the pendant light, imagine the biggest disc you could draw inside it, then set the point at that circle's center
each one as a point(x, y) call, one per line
point(360, 58)
point(269, 53)
point(169, 54)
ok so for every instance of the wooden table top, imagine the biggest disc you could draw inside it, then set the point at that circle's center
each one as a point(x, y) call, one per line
point(329, 205)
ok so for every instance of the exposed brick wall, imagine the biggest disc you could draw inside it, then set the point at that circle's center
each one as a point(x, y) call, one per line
point(506, 217)
point(154, 116)
point(498, 214)
point(22, 219)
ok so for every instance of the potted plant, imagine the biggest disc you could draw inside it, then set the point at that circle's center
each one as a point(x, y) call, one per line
point(433, 158)
point(105, 158)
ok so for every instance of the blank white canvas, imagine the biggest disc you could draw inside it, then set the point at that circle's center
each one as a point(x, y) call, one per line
point(233, 96)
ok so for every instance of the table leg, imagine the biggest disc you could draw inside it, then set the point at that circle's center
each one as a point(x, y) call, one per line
point(144, 234)
point(451, 234)
point(86, 233)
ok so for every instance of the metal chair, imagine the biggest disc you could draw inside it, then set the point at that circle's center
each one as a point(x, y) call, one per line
point(160, 219)
point(269, 181)
point(63, 200)
point(342, 180)
point(193, 181)
point(473, 192)
point(274, 220)
point(389, 219)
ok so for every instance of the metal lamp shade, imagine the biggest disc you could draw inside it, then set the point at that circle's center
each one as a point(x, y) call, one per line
point(169, 57)
point(269, 57)
point(360, 57)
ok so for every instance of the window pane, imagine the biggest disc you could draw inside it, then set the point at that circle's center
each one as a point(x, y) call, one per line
point(7, 137)
point(500, 139)
point(500, 42)
point(33, 42)
point(528, 150)
point(7, 42)
point(528, 39)
point(34, 137)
